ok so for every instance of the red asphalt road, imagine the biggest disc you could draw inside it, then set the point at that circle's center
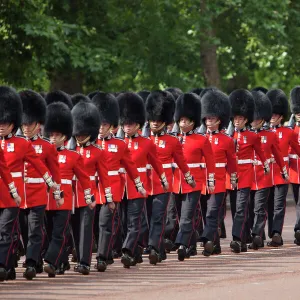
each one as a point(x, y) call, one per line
point(271, 273)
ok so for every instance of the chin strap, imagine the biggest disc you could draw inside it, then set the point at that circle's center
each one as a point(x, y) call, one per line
point(260, 125)
point(159, 128)
point(84, 141)
point(33, 132)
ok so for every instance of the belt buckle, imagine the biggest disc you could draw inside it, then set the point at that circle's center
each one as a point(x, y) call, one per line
point(255, 162)
point(25, 179)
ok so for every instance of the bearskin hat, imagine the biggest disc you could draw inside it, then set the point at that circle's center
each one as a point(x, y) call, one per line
point(59, 96)
point(196, 91)
point(108, 108)
point(215, 103)
point(176, 92)
point(188, 105)
point(144, 94)
point(260, 89)
point(59, 119)
point(43, 94)
point(280, 104)
point(263, 106)
point(92, 94)
point(10, 107)
point(34, 107)
point(295, 100)
point(132, 109)
point(76, 98)
point(242, 104)
point(160, 106)
point(207, 89)
point(86, 120)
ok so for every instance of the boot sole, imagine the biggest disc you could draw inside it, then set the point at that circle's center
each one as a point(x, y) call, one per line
point(181, 254)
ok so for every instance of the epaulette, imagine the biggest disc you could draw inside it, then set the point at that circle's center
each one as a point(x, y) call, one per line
point(200, 133)
point(96, 146)
point(118, 138)
point(45, 139)
point(21, 136)
point(226, 134)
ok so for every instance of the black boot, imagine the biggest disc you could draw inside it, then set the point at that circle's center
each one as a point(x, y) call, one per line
point(236, 246)
point(11, 274)
point(276, 240)
point(208, 248)
point(181, 252)
point(3, 273)
point(127, 260)
point(50, 270)
point(29, 273)
point(84, 269)
point(153, 257)
point(101, 265)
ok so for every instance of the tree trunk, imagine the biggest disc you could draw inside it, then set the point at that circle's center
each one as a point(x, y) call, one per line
point(209, 59)
point(69, 82)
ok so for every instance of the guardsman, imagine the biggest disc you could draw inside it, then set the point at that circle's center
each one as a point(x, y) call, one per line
point(160, 110)
point(263, 182)
point(294, 161)
point(287, 139)
point(59, 96)
point(195, 148)
point(85, 130)
point(143, 152)
point(36, 197)
point(59, 127)
point(118, 155)
point(242, 110)
point(215, 114)
point(17, 150)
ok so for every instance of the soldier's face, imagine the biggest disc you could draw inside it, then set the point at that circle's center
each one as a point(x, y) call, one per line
point(212, 123)
point(257, 123)
point(156, 125)
point(170, 127)
point(186, 124)
point(104, 129)
point(6, 129)
point(276, 119)
point(30, 130)
point(130, 129)
point(57, 138)
point(239, 122)
point(297, 117)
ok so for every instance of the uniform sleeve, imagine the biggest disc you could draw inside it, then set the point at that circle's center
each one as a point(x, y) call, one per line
point(81, 175)
point(209, 157)
point(277, 153)
point(102, 170)
point(153, 160)
point(129, 164)
point(231, 158)
point(4, 170)
point(53, 165)
point(258, 149)
point(179, 158)
point(294, 143)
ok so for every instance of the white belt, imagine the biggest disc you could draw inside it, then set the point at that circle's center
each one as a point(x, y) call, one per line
point(174, 165)
point(167, 166)
point(122, 170)
point(92, 177)
point(34, 180)
point(286, 158)
point(294, 156)
point(66, 181)
point(16, 174)
point(259, 163)
point(220, 165)
point(196, 165)
point(111, 173)
point(142, 170)
point(203, 165)
point(245, 161)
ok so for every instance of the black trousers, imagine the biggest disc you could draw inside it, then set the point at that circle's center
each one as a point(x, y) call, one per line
point(82, 225)
point(135, 210)
point(8, 229)
point(295, 188)
point(214, 215)
point(240, 219)
point(118, 233)
point(186, 235)
point(158, 221)
point(232, 199)
point(258, 213)
point(32, 230)
point(59, 236)
point(107, 230)
point(276, 208)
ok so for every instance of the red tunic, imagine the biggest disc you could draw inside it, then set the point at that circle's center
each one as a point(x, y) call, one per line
point(287, 138)
point(70, 164)
point(95, 165)
point(35, 187)
point(118, 155)
point(143, 152)
point(17, 150)
point(270, 146)
point(169, 151)
point(225, 158)
point(195, 147)
point(294, 159)
point(246, 143)
point(4, 170)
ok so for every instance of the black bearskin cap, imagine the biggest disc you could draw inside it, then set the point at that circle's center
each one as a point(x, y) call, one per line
point(280, 104)
point(34, 107)
point(215, 103)
point(10, 107)
point(86, 120)
point(242, 104)
point(108, 108)
point(207, 89)
point(260, 89)
point(59, 96)
point(196, 91)
point(295, 100)
point(132, 109)
point(160, 106)
point(92, 94)
point(176, 92)
point(76, 98)
point(188, 105)
point(144, 94)
point(59, 119)
point(263, 106)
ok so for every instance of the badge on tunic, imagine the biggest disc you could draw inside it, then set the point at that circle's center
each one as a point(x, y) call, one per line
point(245, 139)
point(162, 144)
point(280, 135)
point(10, 147)
point(81, 151)
point(62, 159)
point(112, 148)
point(263, 140)
point(136, 146)
point(216, 141)
point(38, 149)
point(88, 153)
